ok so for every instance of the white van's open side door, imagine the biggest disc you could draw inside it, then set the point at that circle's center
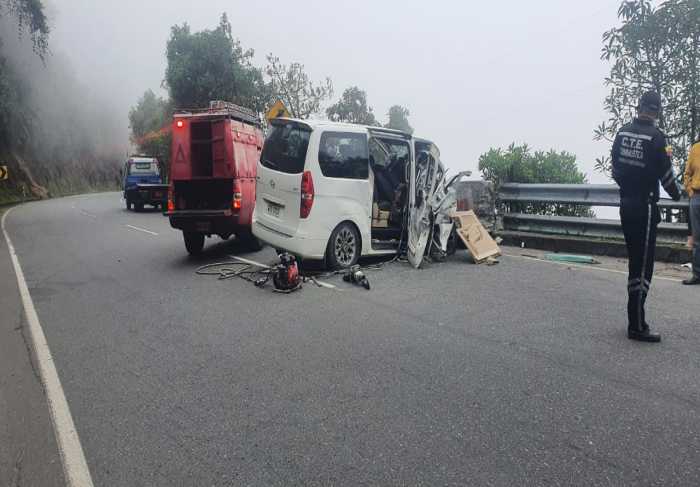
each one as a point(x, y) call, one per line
point(423, 181)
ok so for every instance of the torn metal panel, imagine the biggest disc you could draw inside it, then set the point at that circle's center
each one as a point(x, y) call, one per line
point(433, 201)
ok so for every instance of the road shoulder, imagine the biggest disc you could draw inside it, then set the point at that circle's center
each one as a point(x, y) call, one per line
point(28, 452)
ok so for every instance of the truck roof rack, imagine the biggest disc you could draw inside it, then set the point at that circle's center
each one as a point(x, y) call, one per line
point(228, 109)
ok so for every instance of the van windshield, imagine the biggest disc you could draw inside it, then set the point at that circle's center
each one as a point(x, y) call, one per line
point(285, 148)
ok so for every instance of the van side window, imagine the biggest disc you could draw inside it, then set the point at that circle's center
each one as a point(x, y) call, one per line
point(344, 155)
point(285, 148)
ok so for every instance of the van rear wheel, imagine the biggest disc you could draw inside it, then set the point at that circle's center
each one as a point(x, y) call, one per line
point(344, 247)
point(194, 242)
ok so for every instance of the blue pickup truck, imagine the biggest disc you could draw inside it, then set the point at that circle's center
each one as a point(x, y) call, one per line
point(143, 184)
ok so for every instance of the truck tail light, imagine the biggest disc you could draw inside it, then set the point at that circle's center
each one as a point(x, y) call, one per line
point(307, 194)
point(237, 196)
point(171, 203)
point(179, 124)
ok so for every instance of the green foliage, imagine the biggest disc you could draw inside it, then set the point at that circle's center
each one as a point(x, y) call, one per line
point(15, 116)
point(212, 65)
point(292, 85)
point(398, 119)
point(31, 18)
point(151, 113)
point(150, 127)
point(518, 164)
point(352, 108)
point(654, 48)
point(54, 137)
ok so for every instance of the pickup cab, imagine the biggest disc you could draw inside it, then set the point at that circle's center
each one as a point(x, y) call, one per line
point(142, 183)
point(213, 163)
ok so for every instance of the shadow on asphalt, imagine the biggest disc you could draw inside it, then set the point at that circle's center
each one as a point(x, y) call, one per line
point(222, 250)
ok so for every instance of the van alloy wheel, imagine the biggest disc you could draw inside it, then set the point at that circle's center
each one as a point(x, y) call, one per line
point(345, 247)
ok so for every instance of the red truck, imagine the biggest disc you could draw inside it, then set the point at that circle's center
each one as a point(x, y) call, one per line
point(213, 163)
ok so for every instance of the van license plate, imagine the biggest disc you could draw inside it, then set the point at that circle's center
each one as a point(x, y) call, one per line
point(202, 226)
point(273, 210)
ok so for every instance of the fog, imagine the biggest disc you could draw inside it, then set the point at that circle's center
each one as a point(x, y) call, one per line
point(473, 74)
point(66, 134)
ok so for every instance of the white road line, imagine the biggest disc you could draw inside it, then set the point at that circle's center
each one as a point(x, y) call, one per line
point(87, 213)
point(592, 267)
point(264, 266)
point(139, 229)
point(75, 466)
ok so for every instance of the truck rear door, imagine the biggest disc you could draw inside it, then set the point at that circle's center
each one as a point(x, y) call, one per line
point(279, 175)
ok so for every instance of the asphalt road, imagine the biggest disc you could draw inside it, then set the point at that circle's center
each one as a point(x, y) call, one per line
point(457, 374)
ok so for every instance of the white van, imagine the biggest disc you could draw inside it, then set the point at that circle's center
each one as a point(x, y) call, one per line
point(336, 191)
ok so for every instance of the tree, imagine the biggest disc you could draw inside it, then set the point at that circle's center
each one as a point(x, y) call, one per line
point(151, 113)
point(518, 164)
point(655, 48)
point(149, 121)
point(211, 65)
point(352, 108)
point(15, 114)
point(292, 85)
point(31, 18)
point(398, 119)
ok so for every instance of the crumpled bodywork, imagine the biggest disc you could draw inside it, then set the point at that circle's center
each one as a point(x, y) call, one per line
point(433, 201)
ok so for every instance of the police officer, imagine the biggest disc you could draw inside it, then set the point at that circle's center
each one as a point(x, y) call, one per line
point(640, 160)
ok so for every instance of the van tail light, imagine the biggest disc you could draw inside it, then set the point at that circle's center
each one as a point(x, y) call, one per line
point(307, 194)
point(237, 196)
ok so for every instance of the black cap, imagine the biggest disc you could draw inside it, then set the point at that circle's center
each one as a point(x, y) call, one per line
point(650, 101)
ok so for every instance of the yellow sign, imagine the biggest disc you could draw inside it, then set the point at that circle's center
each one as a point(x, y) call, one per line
point(277, 110)
point(3, 173)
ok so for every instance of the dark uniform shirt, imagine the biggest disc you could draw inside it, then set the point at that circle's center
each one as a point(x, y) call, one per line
point(640, 161)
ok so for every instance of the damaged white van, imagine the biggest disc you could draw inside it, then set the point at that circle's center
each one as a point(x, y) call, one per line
point(336, 191)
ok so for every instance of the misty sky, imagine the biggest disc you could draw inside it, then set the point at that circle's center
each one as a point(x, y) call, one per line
point(473, 74)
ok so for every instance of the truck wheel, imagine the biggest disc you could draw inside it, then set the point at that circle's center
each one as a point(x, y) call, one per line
point(128, 205)
point(250, 241)
point(194, 242)
point(344, 247)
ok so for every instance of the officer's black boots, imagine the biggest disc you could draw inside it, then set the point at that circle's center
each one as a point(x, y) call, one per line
point(693, 281)
point(644, 336)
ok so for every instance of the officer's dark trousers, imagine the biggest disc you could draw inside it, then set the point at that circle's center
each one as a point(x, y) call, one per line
point(640, 220)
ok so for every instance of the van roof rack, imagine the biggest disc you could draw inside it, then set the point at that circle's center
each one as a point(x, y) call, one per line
point(386, 131)
point(226, 108)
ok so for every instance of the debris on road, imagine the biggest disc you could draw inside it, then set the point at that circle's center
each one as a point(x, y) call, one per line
point(571, 258)
point(480, 244)
point(285, 274)
point(356, 276)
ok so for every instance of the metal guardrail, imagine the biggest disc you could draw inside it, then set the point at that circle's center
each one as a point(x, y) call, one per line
point(575, 194)
point(578, 194)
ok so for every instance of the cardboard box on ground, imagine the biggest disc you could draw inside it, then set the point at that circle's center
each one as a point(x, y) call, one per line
point(470, 230)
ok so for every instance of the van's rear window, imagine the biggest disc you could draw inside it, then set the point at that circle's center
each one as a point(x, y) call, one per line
point(285, 148)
